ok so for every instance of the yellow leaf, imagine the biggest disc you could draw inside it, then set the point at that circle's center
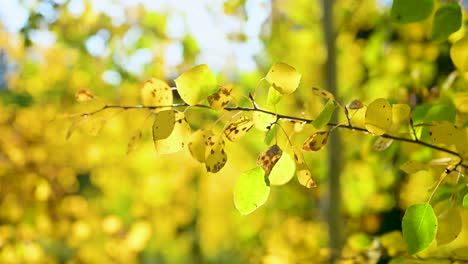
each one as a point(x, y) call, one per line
point(283, 171)
point(449, 134)
point(176, 140)
point(323, 93)
point(316, 141)
point(379, 116)
point(134, 141)
point(221, 98)
point(196, 84)
point(215, 156)
point(197, 144)
point(382, 144)
point(284, 78)
point(238, 128)
point(400, 113)
point(164, 122)
point(449, 221)
point(267, 159)
point(89, 124)
point(355, 105)
point(461, 102)
point(84, 95)
point(262, 120)
point(412, 166)
point(304, 175)
point(156, 92)
point(459, 54)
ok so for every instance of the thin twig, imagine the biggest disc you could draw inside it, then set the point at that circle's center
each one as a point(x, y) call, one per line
point(284, 117)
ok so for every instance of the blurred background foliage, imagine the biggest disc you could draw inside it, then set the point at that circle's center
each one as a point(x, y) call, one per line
point(85, 200)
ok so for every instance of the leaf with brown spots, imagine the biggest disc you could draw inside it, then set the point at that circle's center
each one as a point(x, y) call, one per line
point(156, 92)
point(220, 99)
point(197, 144)
point(323, 93)
point(134, 141)
point(267, 159)
point(238, 128)
point(215, 156)
point(304, 175)
point(379, 116)
point(176, 139)
point(84, 95)
point(382, 144)
point(316, 141)
point(355, 105)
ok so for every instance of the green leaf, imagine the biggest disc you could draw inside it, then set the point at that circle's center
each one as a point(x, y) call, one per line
point(447, 20)
point(251, 191)
point(273, 96)
point(324, 117)
point(465, 201)
point(196, 84)
point(284, 78)
point(283, 171)
point(408, 11)
point(271, 134)
point(419, 227)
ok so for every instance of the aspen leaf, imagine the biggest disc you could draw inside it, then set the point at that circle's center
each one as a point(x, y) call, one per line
point(196, 84)
point(238, 128)
point(459, 53)
point(283, 171)
point(378, 116)
point(408, 11)
point(271, 134)
point(134, 141)
point(156, 92)
point(304, 175)
point(461, 102)
point(164, 122)
point(465, 201)
point(450, 222)
point(315, 142)
point(84, 95)
point(215, 156)
point(268, 159)
point(447, 20)
point(323, 93)
point(89, 124)
point(448, 134)
point(355, 105)
point(250, 191)
point(412, 166)
point(197, 144)
point(382, 144)
point(283, 77)
point(273, 96)
point(419, 226)
point(263, 121)
point(324, 117)
point(176, 140)
point(221, 98)
point(400, 113)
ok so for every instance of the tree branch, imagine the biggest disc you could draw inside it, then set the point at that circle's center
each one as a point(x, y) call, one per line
point(282, 117)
